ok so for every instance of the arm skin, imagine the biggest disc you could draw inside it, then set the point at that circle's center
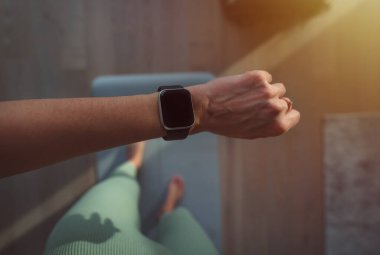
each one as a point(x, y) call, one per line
point(37, 133)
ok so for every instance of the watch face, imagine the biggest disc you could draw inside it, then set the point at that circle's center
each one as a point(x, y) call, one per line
point(176, 108)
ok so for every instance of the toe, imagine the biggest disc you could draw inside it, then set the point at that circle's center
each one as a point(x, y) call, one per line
point(179, 182)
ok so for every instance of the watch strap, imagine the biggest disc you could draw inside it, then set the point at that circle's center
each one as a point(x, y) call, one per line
point(178, 134)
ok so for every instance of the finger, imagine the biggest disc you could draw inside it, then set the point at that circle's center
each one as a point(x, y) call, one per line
point(253, 77)
point(292, 118)
point(265, 75)
point(280, 106)
point(279, 89)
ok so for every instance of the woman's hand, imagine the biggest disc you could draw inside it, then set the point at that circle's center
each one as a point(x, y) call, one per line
point(243, 106)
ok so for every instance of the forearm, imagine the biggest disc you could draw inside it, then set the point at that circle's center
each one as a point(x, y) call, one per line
point(36, 133)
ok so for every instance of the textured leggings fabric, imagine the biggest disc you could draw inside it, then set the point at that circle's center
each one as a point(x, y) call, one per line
point(106, 221)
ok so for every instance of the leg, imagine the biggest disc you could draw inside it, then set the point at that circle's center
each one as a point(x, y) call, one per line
point(178, 230)
point(105, 220)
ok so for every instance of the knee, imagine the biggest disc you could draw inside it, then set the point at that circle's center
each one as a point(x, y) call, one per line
point(182, 211)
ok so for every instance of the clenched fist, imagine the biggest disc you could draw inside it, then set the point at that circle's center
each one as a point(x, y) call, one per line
point(243, 106)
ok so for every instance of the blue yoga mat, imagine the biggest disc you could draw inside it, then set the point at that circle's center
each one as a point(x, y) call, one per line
point(196, 158)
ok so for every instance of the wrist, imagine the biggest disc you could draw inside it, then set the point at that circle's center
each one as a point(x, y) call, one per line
point(152, 103)
point(200, 105)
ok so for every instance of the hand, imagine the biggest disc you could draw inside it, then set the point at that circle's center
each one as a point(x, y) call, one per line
point(243, 106)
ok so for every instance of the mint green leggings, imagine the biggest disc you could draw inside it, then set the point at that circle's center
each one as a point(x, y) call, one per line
point(106, 221)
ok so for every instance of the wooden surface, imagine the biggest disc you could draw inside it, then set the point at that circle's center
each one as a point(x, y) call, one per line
point(36, 42)
point(330, 64)
point(55, 49)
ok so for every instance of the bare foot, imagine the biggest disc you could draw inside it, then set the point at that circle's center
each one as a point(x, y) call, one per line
point(176, 188)
point(136, 153)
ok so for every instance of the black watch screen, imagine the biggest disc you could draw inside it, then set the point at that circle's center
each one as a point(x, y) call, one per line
point(176, 108)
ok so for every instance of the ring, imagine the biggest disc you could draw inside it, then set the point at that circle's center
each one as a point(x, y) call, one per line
point(289, 102)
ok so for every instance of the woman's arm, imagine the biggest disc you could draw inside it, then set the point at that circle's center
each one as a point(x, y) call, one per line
point(36, 133)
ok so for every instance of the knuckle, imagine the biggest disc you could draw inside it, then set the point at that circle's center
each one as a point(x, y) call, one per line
point(275, 109)
point(279, 128)
point(267, 92)
point(282, 85)
point(254, 76)
point(263, 74)
point(298, 116)
point(272, 109)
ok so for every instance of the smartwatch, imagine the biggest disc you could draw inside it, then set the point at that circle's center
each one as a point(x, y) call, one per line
point(176, 111)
